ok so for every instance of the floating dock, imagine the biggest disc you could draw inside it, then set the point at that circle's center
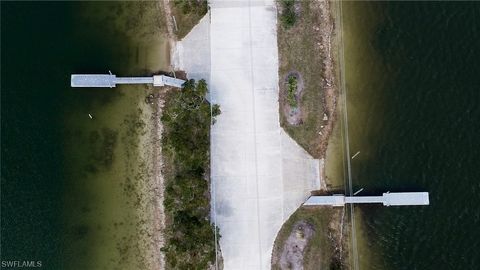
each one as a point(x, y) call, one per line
point(387, 199)
point(110, 80)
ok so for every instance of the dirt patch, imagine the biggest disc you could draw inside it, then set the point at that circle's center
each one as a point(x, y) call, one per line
point(292, 113)
point(324, 245)
point(292, 255)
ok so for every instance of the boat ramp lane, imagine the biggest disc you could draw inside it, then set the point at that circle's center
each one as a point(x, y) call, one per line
point(387, 199)
point(110, 80)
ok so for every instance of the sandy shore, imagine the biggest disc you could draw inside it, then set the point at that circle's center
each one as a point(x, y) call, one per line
point(149, 183)
point(326, 42)
point(157, 183)
point(339, 224)
point(331, 44)
point(151, 147)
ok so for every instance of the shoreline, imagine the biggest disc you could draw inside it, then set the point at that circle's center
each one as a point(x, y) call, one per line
point(133, 240)
point(152, 141)
point(165, 160)
point(332, 78)
point(339, 223)
point(327, 39)
point(308, 47)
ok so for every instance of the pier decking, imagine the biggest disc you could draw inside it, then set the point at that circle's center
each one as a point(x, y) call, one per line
point(110, 80)
point(387, 199)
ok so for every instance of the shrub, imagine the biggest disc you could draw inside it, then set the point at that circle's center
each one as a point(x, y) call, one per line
point(192, 6)
point(288, 16)
point(190, 237)
point(292, 91)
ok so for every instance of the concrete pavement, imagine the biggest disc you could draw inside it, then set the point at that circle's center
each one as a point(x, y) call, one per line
point(259, 174)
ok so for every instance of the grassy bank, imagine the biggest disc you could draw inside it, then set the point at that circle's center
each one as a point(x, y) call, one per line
point(190, 237)
point(304, 31)
point(307, 50)
point(320, 251)
point(187, 14)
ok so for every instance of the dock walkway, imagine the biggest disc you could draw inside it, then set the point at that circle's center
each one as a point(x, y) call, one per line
point(110, 80)
point(387, 199)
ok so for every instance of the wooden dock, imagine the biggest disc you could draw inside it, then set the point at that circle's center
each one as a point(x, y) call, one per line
point(387, 199)
point(110, 80)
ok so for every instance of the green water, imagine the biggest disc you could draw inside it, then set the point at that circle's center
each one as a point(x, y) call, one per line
point(413, 87)
point(71, 186)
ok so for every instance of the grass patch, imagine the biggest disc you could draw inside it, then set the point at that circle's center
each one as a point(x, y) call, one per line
point(292, 91)
point(187, 14)
point(190, 237)
point(288, 16)
point(319, 252)
point(299, 50)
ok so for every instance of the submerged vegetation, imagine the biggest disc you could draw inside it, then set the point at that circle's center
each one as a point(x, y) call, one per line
point(189, 235)
point(103, 145)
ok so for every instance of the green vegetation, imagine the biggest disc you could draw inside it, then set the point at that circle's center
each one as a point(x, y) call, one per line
point(320, 252)
point(299, 51)
point(192, 6)
point(288, 16)
point(187, 14)
point(190, 237)
point(292, 91)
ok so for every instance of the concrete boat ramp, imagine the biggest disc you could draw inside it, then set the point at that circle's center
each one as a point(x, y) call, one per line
point(110, 80)
point(259, 175)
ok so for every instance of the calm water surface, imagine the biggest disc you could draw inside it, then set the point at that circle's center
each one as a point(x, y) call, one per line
point(413, 88)
point(68, 182)
point(412, 74)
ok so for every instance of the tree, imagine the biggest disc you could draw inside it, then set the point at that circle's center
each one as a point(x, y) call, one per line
point(190, 237)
